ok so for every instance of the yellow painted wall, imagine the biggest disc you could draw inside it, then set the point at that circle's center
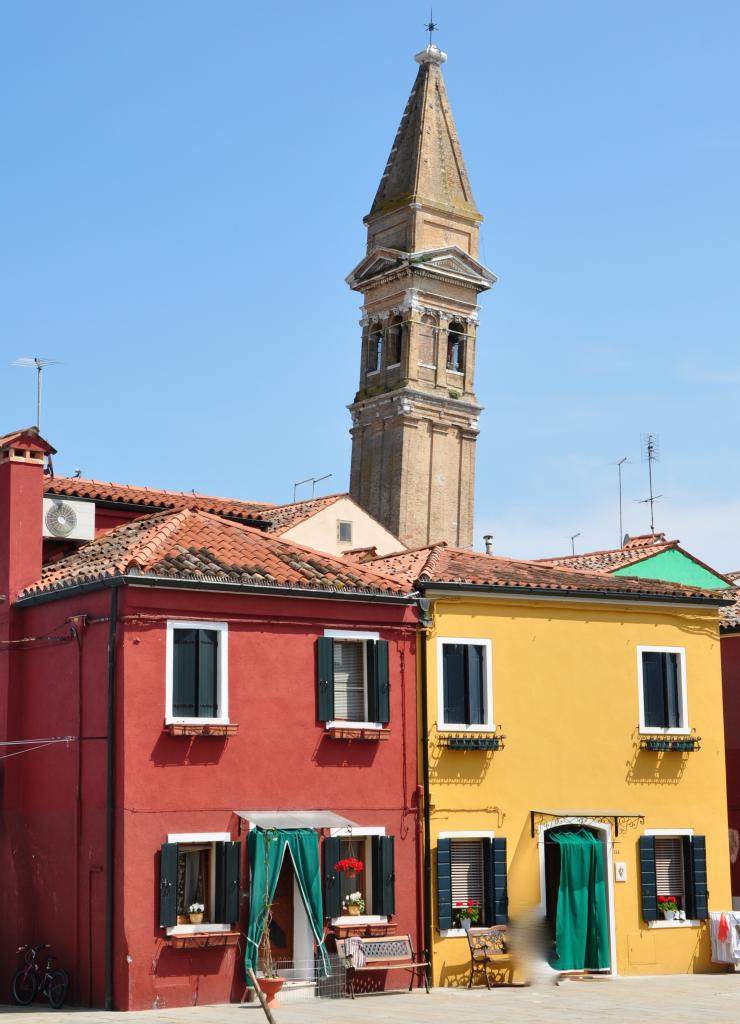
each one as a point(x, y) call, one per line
point(565, 695)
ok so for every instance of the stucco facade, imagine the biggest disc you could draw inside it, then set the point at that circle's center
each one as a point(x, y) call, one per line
point(565, 693)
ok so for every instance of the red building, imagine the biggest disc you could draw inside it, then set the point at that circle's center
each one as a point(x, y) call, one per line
point(176, 681)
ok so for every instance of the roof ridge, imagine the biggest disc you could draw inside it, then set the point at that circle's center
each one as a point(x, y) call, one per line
point(81, 480)
point(147, 549)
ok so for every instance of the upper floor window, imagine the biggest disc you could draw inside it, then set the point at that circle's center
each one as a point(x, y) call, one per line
point(196, 683)
point(395, 336)
point(465, 684)
point(353, 680)
point(426, 341)
point(374, 350)
point(456, 347)
point(344, 531)
point(662, 689)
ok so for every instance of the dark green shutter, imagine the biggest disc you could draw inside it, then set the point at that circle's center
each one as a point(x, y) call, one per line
point(476, 714)
point(168, 885)
point(207, 673)
point(379, 703)
point(384, 877)
point(332, 878)
point(647, 878)
point(228, 869)
point(695, 873)
point(325, 675)
point(444, 885)
point(185, 673)
point(495, 890)
point(453, 684)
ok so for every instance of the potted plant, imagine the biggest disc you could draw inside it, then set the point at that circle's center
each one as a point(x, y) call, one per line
point(467, 913)
point(353, 903)
point(196, 911)
point(669, 906)
point(349, 865)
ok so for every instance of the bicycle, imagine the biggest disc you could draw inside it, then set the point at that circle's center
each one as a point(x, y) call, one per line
point(30, 981)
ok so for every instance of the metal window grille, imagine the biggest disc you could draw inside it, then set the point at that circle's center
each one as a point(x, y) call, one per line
point(349, 680)
point(669, 876)
point(466, 869)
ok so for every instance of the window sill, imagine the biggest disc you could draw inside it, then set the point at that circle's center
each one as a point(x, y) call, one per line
point(201, 729)
point(392, 366)
point(428, 366)
point(456, 373)
point(654, 731)
point(453, 933)
point(674, 924)
point(351, 732)
point(203, 939)
point(192, 929)
point(358, 919)
point(447, 727)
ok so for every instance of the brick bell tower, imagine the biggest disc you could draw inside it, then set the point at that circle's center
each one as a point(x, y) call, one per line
point(415, 415)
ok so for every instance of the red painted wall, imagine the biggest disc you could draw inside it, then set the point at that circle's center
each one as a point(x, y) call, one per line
point(730, 648)
point(280, 758)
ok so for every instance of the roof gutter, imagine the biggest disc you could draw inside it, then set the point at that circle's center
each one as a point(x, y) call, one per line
point(564, 595)
point(221, 586)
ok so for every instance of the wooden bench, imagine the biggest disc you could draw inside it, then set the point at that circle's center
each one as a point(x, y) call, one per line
point(385, 954)
point(488, 947)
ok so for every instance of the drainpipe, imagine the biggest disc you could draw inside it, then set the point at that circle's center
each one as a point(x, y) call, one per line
point(111, 813)
point(425, 623)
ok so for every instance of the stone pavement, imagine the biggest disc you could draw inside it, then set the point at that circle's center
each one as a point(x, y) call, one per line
point(685, 999)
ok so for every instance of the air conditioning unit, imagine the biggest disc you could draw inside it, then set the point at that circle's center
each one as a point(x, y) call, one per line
point(67, 519)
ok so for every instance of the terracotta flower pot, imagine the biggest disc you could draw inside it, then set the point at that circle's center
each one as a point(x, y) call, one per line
point(196, 918)
point(270, 988)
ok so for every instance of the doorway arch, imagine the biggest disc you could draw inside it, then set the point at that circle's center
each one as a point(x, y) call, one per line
point(602, 831)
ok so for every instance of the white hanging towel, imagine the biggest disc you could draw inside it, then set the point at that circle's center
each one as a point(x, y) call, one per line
point(724, 931)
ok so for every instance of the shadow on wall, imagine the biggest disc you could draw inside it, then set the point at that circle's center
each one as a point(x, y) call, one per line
point(457, 767)
point(655, 768)
point(331, 753)
point(188, 750)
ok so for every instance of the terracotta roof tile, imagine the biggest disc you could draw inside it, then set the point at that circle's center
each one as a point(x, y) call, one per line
point(283, 517)
point(442, 564)
point(148, 498)
point(635, 550)
point(191, 544)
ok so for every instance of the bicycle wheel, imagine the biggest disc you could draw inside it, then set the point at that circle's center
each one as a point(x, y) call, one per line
point(57, 988)
point(25, 984)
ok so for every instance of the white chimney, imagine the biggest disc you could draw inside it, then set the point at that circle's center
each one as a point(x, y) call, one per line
point(488, 541)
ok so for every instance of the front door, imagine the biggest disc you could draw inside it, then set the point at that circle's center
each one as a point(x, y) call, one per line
point(575, 899)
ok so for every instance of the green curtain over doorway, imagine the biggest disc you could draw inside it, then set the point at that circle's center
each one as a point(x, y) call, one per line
point(581, 928)
point(303, 847)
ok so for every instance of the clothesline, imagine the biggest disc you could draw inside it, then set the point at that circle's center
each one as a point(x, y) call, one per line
point(39, 742)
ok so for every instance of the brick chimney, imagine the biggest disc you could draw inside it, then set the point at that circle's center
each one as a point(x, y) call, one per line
point(21, 510)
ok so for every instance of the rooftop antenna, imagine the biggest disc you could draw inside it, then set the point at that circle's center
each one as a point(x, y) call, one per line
point(430, 25)
point(620, 463)
point(650, 454)
point(38, 364)
point(313, 480)
point(573, 542)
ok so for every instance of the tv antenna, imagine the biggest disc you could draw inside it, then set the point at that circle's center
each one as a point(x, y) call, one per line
point(573, 542)
point(620, 463)
point(650, 454)
point(313, 480)
point(38, 364)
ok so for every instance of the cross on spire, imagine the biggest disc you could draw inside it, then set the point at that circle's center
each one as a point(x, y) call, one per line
point(430, 25)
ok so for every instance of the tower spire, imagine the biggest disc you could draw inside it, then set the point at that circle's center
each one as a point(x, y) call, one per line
point(415, 414)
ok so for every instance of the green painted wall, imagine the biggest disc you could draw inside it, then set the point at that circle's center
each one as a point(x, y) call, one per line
point(674, 567)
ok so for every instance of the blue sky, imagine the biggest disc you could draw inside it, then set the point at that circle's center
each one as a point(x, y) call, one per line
point(183, 188)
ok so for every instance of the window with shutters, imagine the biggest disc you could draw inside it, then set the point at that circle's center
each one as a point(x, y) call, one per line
point(196, 667)
point(466, 876)
point(669, 869)
point(353, 680)
point(465, 685)
point(662, 690)
point(375, 881)
point(199, 870)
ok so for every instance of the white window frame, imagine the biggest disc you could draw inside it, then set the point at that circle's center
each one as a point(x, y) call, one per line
point(340, 524)
point(361, 832)
point(684, 729)
point(350, 634)
point(201, 838)
point(688, 923)
point(222, 682)
point(457, 933)
point(489, 724)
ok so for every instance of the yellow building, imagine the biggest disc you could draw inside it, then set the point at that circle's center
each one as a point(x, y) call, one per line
point(573, 724)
